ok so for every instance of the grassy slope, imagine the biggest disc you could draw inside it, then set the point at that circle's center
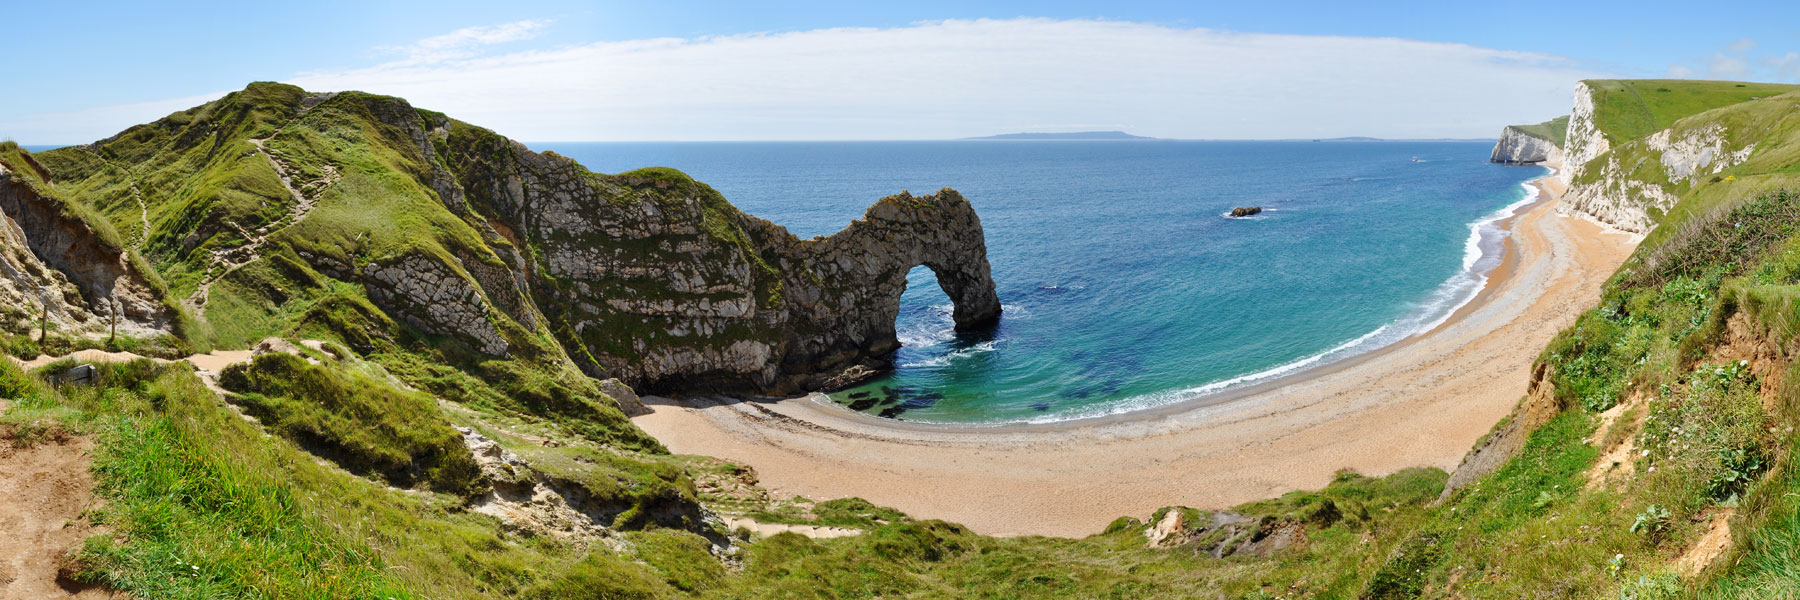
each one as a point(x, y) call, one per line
point(1628, 109)
point(1556, 130)
point(1717, 435)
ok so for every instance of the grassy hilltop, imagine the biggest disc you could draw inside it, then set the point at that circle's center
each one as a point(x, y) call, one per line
point(1556, 130)
point(1628, 109)
point(1655, 447)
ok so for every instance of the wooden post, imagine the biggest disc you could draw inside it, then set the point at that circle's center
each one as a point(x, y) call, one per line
point(114, 338)
point(44, 324)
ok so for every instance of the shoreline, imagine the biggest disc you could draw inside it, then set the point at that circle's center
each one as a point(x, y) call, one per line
point(1420, 401)
point(1257, 382)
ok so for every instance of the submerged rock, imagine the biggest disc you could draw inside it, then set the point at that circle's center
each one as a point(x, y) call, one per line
point(1245, 211)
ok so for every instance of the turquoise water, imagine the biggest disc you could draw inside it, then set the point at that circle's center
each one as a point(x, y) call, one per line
point(1124, 284)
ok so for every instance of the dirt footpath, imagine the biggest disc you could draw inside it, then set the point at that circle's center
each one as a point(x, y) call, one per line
point(44, 488)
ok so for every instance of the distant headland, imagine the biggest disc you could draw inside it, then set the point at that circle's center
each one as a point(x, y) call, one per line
point(1074, 135)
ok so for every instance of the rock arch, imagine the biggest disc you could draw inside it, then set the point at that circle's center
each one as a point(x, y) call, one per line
point(847, 294)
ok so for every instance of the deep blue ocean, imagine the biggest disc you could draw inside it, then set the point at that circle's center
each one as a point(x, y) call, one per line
point(1124, 285)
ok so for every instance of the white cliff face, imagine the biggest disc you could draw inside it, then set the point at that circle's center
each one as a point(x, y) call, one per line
point(1584, 141)
point(1690, 156)
point(1617, 200)
point(1518, 147)
point(1627, 192)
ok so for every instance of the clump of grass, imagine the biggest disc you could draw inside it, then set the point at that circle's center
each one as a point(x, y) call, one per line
point(365, 425)
point(193, 521)
point(1724, 242)
point(684, 559)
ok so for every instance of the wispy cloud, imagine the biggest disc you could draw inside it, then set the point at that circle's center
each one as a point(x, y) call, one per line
point(464, 42)
point(1738, 60)
point(959, 78)
point(956, 78)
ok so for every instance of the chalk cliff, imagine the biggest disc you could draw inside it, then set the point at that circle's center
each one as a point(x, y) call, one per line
point(1525, 145)
point(1629, 173)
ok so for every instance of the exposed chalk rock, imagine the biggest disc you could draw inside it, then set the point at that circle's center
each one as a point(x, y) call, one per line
point(1518, 147)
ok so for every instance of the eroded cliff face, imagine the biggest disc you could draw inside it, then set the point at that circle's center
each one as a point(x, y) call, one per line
point(1584, 140)
point(55, 265)
point(845, 289)
point(1630, 187)
point(1518, 148)
point(653, 278)
point(462, 235)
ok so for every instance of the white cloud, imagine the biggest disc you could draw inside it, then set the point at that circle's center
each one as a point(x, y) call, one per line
point(1738, 61)
point(961, 78)
point(1786, 66)
point(1721, 66)
point(464, 42)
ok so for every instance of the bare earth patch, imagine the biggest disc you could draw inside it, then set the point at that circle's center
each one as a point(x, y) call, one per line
point(1619, 459)
point(1713, 543)
point(44, 490)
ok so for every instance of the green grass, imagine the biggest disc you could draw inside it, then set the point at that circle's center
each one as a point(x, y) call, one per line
point(1628, 109)
point(199, 503)
point(1556, 130)
point(365, 425)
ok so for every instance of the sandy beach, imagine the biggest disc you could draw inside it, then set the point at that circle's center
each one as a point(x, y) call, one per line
point(1420, 402)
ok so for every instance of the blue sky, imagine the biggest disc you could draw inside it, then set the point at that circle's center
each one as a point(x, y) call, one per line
point(106, 65)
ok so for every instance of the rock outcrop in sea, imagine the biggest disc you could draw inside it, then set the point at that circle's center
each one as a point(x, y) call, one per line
point(670, 288)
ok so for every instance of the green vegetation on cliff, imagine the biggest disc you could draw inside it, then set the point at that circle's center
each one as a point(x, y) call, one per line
point(1656, 459)
point(1556, 130)
point(1628, 109)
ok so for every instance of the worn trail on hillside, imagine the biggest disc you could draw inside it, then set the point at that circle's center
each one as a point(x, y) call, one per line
point(137, 195)
point(45, 488)
point(229, 260)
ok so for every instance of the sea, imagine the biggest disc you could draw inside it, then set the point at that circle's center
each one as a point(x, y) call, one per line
point(1125, 285)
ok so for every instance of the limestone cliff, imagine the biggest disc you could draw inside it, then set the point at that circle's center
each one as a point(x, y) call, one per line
point(281, 208)
point(1517, 147)
point(1634, 148)
point(1531, 144)
point(1583, 141)
point(652, 277)
point(55, 264)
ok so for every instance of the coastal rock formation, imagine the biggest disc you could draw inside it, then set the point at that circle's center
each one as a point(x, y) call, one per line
point(1631, 186)
point(1245, 211)
point(1634, 148)
point(1584, 141)
point(1516, 146)
point(56, 264)
point(475, 243)
point(661, 283)
point(1225, 533)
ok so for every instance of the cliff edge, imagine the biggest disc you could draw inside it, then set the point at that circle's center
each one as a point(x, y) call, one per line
point(274, 209)
point(1531, 144)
